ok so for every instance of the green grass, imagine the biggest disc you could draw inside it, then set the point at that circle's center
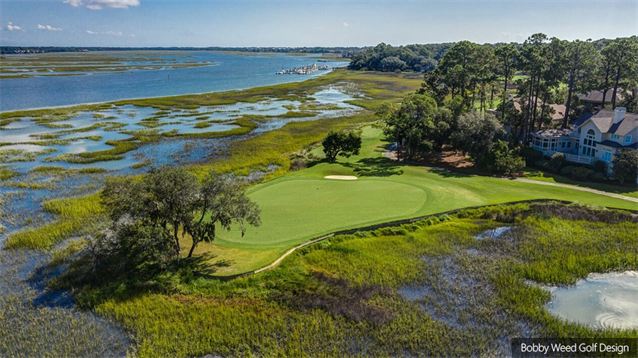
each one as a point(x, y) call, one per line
point(535, 174)
point(303, 205)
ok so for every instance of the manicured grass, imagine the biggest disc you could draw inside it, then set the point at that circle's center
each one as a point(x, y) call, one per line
point(303, 205)
point(535, 174)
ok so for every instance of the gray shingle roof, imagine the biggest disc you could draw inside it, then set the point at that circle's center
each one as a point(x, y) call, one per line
point(597, 96)
point(604, 121)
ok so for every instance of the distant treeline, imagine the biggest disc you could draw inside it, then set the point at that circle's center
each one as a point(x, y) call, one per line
point(420, 58)
point(344, 51)
point(385, 57)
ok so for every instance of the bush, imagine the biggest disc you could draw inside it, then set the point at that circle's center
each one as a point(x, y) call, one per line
point(581, 173)
point(600, 167)
point(542, 164)
point(531, 155)
point(625, 166)
point(557, 162)
point(567, 171)
point(597, 177)
point(508, 163)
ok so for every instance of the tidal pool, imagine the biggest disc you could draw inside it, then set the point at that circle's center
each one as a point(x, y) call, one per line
point(601, 300)
point(493, 233)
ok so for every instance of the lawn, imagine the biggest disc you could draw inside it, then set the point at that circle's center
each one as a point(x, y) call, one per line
point(303, 205)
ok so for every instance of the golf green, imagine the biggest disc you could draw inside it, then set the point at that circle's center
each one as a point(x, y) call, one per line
point(292, 209)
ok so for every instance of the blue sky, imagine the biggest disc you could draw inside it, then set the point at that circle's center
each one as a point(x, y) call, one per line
point(306, 23)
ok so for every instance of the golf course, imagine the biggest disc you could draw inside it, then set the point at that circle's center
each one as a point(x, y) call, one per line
point(304, 204)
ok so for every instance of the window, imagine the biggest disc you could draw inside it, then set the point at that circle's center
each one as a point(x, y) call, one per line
point(588, 144)
point(615, 137)
point(628, 139)
point(606, 157)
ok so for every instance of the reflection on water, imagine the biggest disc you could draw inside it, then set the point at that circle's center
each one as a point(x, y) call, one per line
point(601, 300)
point(493, 233)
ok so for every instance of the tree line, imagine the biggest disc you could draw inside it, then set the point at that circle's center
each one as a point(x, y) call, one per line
point(451, 107)
point(549, 70)
point(387, 58)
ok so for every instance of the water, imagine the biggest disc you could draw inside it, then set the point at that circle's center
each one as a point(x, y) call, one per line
point(23, 147)
point(230, 72)
point(601, 300)
point(493, 233)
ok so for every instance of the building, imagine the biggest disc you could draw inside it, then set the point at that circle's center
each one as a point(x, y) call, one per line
point(595, 98)
point(559, 109)
point(592, 137)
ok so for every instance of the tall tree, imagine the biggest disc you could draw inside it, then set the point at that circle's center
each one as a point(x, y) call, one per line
point(582, 58)
point(507, 56)
point(624, 54)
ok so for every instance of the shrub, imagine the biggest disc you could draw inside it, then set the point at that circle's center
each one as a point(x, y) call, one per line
point(567, 171)
point(581, 173)
point(626, 166)
point(557, 162)
point(531, 155)
point(600, 167)
point(598, 177)
point(542, 164)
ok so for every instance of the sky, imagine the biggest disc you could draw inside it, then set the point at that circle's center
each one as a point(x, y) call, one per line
point(295, 23)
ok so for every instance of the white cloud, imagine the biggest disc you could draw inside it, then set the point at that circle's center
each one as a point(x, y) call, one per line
point(12, 27)
point(103, 4)
point(48, 28)
point(345, 24)
point(108, 33)
point(74, 3)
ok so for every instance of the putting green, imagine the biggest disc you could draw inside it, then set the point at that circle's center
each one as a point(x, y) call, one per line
point(291, 209)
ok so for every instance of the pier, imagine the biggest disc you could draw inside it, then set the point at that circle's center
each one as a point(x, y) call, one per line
point(303, 70)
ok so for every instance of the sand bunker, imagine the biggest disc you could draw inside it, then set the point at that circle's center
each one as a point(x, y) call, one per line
point(341, 177)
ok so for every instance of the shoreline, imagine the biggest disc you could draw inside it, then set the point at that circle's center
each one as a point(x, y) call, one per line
point(170, 96)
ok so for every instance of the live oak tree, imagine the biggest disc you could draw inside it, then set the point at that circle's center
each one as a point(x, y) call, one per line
point(172, 201)
point(221, 202)
point(342, 143)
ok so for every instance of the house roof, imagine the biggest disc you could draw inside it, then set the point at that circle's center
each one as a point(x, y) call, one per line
point(611, 143)
point(604, 121)
point(559, 109)
point(597, 96)
point(553, 133)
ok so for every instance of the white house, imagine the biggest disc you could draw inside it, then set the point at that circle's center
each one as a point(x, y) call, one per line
point(595, 137)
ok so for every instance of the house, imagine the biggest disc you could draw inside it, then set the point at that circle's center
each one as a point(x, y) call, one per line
point(592, 137)
point(559, 109)
point(595, 98)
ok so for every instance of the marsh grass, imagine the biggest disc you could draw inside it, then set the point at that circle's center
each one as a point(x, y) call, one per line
point(342, 296)
point(75, 216)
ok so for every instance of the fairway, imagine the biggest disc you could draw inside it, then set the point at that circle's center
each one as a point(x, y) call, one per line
point(304, 205)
